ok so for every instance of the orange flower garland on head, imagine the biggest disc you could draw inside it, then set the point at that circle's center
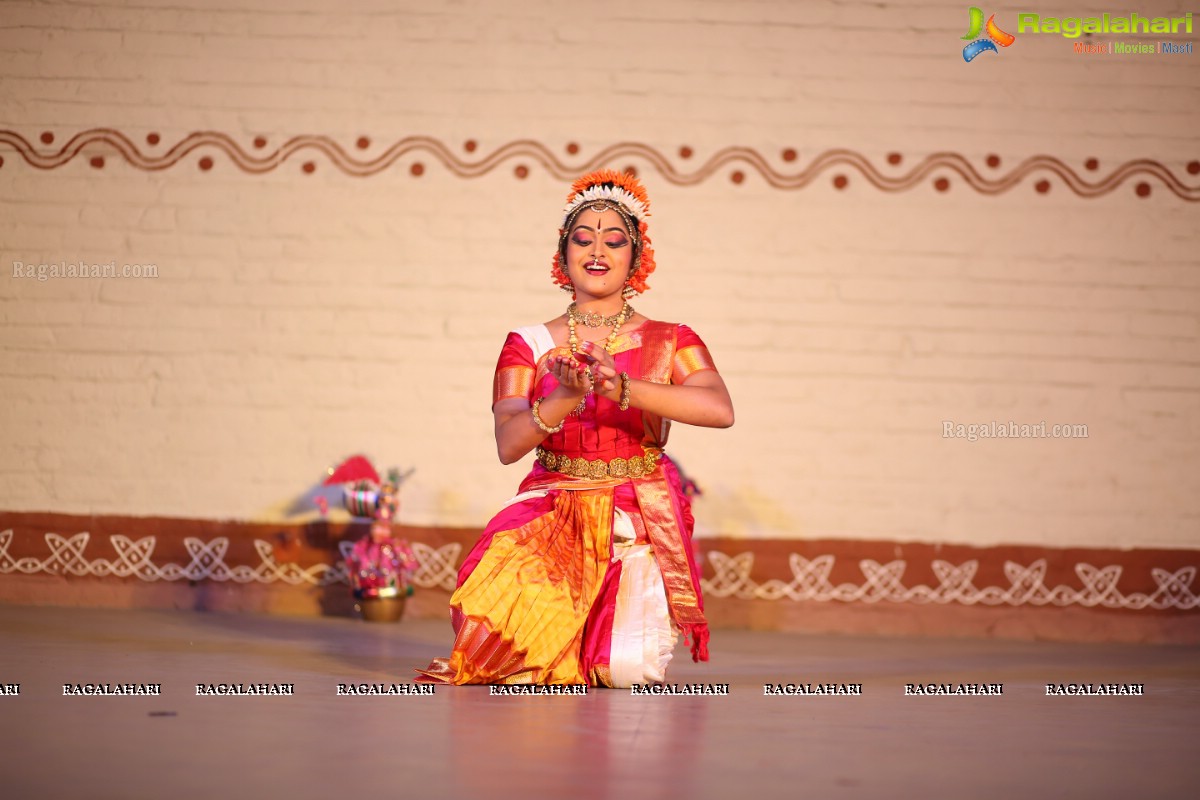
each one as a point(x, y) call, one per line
point(620, 180)
point(606, 185)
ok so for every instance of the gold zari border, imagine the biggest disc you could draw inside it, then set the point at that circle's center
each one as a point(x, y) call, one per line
point(515, 381)
point(692, 359)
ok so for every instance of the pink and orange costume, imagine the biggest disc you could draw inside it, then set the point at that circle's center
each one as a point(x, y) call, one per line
point(587, 574)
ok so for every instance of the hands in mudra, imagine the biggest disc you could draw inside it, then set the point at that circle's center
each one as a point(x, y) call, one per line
point(591, 369)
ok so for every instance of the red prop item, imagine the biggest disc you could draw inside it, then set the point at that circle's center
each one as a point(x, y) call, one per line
point(354, 468)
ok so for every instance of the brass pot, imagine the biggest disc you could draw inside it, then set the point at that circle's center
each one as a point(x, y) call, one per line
point(382, 609)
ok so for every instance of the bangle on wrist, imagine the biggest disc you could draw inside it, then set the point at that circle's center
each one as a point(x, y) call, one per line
point(624, 404)
point(537, 419)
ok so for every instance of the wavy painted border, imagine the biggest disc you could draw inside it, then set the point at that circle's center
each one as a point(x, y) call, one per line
point(732, 163)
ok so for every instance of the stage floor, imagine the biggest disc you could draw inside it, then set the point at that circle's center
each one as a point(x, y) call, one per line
point(466, 743)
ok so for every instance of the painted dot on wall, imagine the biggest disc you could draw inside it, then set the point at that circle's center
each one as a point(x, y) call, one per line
point(47, 137)
point(840, 181)
point(572, 148)
point(941, 184)
point(260, 141)
point(789, 154)
point(685, 152)
point(417, 169)
point(738, 176)
point(363, 143)
point(1143, 189)
point(152, 138)
point(1193, 167)
point(993, 160)
point(469, 145)
point(97, 162)
point(309, 167)
point(894, 158)
point(1091, 164)
point(631, 170)
point(521, 171)
point(206, 163)
point(1042, 186)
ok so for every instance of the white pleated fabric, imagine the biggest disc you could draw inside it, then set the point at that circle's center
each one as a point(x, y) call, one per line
point(643, 637)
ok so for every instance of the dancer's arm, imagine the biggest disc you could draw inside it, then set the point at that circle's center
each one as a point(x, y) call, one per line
point(701, 400)
point(516, 431)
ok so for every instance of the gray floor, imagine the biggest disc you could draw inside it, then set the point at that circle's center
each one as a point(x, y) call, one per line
point(464, 743)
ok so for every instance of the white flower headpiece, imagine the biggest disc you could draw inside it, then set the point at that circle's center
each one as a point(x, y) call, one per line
point(613, 194)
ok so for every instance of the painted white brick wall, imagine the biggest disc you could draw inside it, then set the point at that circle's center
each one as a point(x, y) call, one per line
point(299, 318)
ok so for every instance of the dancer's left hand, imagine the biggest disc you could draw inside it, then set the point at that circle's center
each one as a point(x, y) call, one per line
point(604, 371)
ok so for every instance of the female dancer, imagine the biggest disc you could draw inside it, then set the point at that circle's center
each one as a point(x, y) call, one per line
point(585, 575)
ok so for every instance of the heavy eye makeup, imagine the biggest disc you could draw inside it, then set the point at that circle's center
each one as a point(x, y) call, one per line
point(582, 237)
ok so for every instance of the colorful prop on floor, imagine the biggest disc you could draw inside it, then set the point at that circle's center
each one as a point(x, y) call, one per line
point(379, 565)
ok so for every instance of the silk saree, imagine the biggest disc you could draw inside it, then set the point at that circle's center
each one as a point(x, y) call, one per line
point(588, 574)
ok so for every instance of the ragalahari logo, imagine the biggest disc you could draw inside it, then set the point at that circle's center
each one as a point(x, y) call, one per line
point(994, 37)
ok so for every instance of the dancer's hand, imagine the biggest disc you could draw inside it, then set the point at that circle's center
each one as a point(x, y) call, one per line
point(574, 377)
point(604, 370)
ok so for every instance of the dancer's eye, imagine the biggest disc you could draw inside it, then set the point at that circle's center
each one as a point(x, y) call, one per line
point(581, 241)
point(615, 243)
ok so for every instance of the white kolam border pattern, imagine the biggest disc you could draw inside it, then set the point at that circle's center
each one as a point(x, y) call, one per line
point(1027, 584)
point(133, 560)
point(437, 568)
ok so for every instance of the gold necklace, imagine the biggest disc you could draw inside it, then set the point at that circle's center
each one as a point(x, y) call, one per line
point(616, 322)
point(594, 319)
point(573, 340)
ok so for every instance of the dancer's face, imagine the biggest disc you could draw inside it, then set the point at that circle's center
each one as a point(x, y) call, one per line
point(599, 254)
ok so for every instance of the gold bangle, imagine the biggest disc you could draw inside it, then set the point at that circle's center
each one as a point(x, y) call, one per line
point(537, 419)
point(624, 404)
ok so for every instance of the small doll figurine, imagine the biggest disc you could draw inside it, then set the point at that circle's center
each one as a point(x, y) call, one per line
point(380, 566)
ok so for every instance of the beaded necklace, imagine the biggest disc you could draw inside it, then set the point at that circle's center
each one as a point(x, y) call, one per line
point(594, 320)
point(573, 317)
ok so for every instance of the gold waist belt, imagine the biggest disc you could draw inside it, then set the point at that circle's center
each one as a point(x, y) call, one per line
point(598, 468)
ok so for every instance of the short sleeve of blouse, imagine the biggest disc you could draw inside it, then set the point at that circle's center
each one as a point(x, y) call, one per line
point(691, 356)
point(514, 371)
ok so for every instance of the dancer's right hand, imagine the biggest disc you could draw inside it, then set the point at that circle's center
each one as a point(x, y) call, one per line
point(574, 378)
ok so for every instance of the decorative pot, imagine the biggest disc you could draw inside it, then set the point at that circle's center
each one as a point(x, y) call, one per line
point(360, 502)
point(382, 609)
